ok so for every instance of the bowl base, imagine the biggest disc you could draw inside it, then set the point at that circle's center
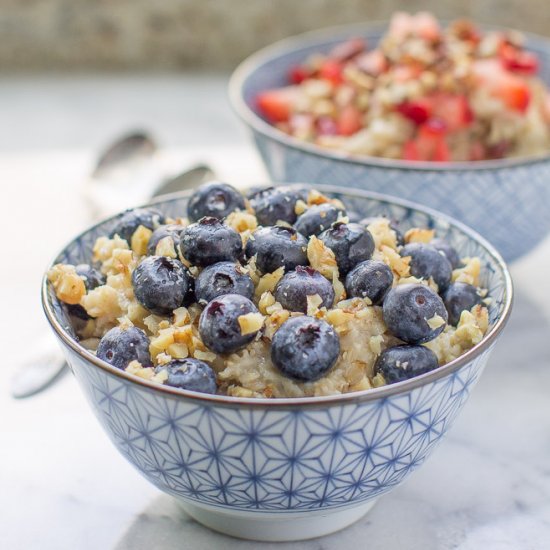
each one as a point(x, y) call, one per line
point(277, 527)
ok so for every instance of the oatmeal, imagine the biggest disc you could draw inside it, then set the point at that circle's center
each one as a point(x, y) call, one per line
point(229, 305)
point(423, 93)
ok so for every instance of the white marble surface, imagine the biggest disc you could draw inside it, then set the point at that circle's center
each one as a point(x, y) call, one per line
point(64, 486)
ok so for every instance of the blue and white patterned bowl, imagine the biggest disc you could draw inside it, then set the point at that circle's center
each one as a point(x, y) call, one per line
point(283, 469)
point(507, 201)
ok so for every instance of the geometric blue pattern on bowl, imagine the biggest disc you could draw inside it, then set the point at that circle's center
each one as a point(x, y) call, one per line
point(271, 457)
point(506, 201)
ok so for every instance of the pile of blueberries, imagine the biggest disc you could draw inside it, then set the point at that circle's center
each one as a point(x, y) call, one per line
point(303, 348)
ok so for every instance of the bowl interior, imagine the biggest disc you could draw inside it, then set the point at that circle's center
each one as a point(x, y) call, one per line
point(269, 68)
point(494, 274)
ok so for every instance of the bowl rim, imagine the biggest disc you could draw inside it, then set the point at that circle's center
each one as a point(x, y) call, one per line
point(372, 394)
point(318, 37)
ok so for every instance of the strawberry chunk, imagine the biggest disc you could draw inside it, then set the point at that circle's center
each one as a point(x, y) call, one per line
point(419, 111)
point(517, 60)
point(298, 74)
point(410, 150)
point(373, 63)
point(510, 88)
point(441, 151)
point(348, 49)
point(349, 121)
point(331, 70)
point(276, 105)
point(454, 110)
point(430, 141)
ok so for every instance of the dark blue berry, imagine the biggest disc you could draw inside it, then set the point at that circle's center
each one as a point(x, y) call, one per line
point(275, 247)
point(132, 219)
point(407, 310)
point(210, 241)
point(171, 230)
point(317, 218)
point(189, 374)
point(400, 239)
point(219, 325)
point(273, 205)
point(92, 279)
point(427, 262)
point(295, 286)
point(403, 362)
point(450, 253)
point(350, 242)
point(305, 348)
point(119, 347)
point(459, 297)
point(160, 284)
point(370, 279)
point(216, 200)
point(223, 278)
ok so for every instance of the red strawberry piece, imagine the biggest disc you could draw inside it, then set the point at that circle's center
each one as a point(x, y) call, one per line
point(349, 121)
point(298, 73)
point(418, 111)
point(276, 105)
point(331, 70)
point(348, 49)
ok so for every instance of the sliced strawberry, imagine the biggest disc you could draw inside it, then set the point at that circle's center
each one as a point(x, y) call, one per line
point(373, 63)
point(276, 105)
point(419, 110)
point(298, 73)
point(331, 70)
point(441, 152)
point(349, 121)
point(511, 89)
point(454, 110)
point(404, 73)
point(348, 49)
point(517, 60)
point(430, 141)
point(410, 150)
point(425, 26)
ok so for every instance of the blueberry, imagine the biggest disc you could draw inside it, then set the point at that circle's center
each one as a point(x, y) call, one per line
point(404, 362)
point(210, 241)
point(400, 239)
point(216, 200)
point(408, 308)
point(160, 284)
point(91, 276)
point(273, 205)
point(223, 278)
point(427, 262)
point(275, 247)
point(370, 279)
point(448, 251)
point(92, 279)
point(294, 288)
point(317, 218)
point(132, 219)
point(171, 230)
point(119, 347)
point(350, 242)
point(305, 348)
point(459, 297)
point(189, 374)
point(219, 323)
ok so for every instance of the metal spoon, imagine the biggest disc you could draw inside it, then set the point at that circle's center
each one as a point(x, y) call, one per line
point(48, 366)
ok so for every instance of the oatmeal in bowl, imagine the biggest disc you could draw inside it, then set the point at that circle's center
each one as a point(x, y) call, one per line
point(282, 293)
point(307, 371)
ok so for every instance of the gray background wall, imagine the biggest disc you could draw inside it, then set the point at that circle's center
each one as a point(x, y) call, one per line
point(172, 34)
